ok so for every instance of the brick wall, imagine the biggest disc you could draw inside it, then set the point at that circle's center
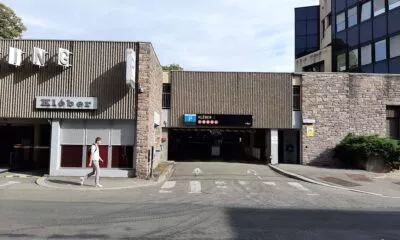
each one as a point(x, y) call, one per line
point(149, 101)
point(342, 104)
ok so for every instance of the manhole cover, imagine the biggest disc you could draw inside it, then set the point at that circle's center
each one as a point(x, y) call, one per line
point(359, 177)
point(340, 182)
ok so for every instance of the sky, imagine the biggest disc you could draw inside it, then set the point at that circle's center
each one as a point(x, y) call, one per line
point(206, 35)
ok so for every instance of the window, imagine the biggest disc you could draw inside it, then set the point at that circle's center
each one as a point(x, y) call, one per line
point(122, 157)
point(380, 50)
point(341, 62)
point(353, 58)
point(166, 96)
point(379, 7)
point(366, 55)
point(394, 4)
point(340, 22)
point(366, 11)
point(296, 98)
point(395, 46)
point(352, 16)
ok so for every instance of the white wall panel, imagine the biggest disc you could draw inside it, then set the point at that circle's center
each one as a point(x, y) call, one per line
point(72, 132)
point(97, 129)
point(122, 133)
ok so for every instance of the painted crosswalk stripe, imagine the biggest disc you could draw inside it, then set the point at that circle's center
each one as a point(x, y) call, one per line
point(220, 184)
point(298, 186)
point(242, 183)
point(9, 183)
point(270, 183)
point(168, 185)
point(195, 187)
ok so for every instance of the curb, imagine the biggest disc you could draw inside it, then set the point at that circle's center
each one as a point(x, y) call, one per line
point(306, 179)
point(163, 176)
point(42, 182)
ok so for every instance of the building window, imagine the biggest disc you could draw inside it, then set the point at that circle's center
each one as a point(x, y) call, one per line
point(380, 50)
point(394, 4)
point(352, 16)
point(122, 157)
point(71, 156)
point(366, 11)
point(166, 96)
point(366, 55)
point(395, 46)
point(341, 62)
point(296, 98)
point(340, 22)
point(353, 58)
point(379, 7)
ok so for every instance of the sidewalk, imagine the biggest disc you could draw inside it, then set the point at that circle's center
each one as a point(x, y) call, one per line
point(380, 184)
point(162, 172)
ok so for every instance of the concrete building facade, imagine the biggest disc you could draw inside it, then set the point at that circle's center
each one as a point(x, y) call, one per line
point(57, 96)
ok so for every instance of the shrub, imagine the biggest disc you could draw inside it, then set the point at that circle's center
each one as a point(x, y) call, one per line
point(354, 151)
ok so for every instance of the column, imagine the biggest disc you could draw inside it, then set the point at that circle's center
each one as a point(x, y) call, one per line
point(274, 146)
point(55, 147)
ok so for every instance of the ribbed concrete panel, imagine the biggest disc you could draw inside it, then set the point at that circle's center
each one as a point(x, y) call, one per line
point(266, 96)
point(98, 70)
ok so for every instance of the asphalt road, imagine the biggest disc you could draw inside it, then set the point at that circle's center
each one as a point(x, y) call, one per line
point(225, 201)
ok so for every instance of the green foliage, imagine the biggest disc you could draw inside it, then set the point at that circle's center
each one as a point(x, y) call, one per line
point(171, 67)
point(11, 25)
point(355, 150)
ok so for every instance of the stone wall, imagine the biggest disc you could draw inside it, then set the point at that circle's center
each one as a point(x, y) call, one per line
point(149, 101)
point(343, 104)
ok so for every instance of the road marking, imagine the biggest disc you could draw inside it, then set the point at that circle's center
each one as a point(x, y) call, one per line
point(298, 186)
point(168, 184)
point(270, 183)
point(220, 184)
point(195, 187)
point(251, 171)
point(313, 194)
point(197, 171)
point(259, 177)
point(242, 183)
point(165, 191)
point(9, 183)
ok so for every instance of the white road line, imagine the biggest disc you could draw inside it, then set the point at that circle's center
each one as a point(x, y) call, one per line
point(298, 186)
point(242, 183)
point(313, 194)
point(9, 183)
point(259, 177)
point(220, 184)
point(168, 184)
point(195, 187)
point(165, 191)
point(251, 171)
point(270, 183)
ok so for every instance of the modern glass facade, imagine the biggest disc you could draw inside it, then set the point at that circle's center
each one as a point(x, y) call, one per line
point(306, 30)
point(366, 36)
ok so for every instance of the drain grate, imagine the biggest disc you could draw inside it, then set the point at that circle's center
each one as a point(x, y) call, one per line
point(340, 182)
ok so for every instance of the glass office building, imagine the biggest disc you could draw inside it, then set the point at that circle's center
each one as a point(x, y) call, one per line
point(365, 35)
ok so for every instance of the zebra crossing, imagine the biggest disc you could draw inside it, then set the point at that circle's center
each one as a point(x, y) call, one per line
point(196, 186)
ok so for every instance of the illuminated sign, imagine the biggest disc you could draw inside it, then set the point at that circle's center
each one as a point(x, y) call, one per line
point(218, 120)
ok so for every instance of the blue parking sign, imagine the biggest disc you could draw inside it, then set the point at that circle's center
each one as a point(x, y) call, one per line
point(190, 119)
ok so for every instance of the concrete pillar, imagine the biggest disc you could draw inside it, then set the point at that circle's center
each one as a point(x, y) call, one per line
point(274, 146)
point(55, 147)
point(252, 144)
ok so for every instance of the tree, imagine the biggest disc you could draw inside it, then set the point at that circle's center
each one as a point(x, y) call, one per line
point(11, 25)
point(173, 66)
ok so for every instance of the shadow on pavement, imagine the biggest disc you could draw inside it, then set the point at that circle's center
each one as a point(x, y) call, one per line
point(313, 224)
point(64, 182)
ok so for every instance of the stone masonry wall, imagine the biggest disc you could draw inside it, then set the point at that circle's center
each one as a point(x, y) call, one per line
point(149, 101)
point(343, 104)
